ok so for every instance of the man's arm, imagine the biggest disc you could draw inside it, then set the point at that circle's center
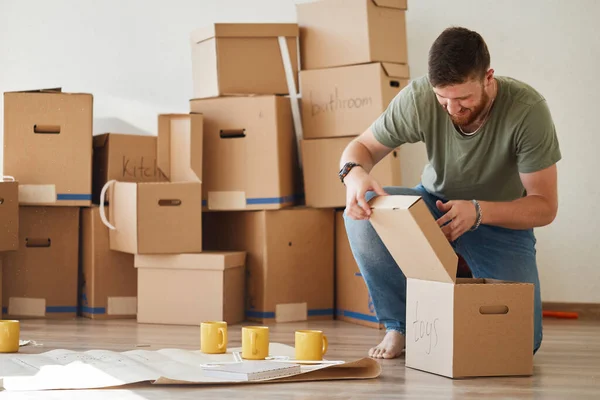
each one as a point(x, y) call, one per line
point(538, 208)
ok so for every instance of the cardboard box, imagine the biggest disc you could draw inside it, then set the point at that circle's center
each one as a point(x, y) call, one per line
point(345, 101)
point(48, 146)
point(125, 158)
point(290, 262)
point(250, 152)
point(347, 32)
point(9, 215)
point(109, 279)
point(321, 162)
point(187, 289)
point(456, 327)
point(180, 144)
point(352, 298)
point(40, 278)
point(155, 217)
point(242, 58)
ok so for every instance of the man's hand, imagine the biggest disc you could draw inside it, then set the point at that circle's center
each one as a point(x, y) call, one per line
point(358, 183)
point(459, 217)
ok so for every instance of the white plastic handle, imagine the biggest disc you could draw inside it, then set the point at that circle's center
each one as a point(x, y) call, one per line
point(10, 178)
point(289, 76)
point(102, 196)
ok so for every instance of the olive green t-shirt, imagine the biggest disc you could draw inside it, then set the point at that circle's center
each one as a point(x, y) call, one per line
point(518, 137)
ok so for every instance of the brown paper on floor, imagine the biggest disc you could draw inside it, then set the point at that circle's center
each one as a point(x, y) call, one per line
point(242, 59)
point(455, 327)
point(40, 279)
point(117, 369)
point(109, 279)
point(345, 101)
point(321, 162)
point(124, 157)
point(348, 32)
point(290, 262)
point(353, 301)
point(48, 146)
point(9, 215)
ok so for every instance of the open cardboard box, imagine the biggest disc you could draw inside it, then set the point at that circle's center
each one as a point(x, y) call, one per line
point(454, 327)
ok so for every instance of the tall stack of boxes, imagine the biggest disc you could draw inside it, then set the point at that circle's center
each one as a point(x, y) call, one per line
point(252, 180)
point(354, 62)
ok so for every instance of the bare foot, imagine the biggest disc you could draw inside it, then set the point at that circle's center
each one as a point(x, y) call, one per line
point(390, 347)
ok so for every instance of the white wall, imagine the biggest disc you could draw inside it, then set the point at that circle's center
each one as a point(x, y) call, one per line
point(134, 57)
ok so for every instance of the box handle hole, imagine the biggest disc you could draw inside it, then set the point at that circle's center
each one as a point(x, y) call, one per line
point(232, 133)
point(50, 129)
point(37, 242)
point(493, 310)
point(394, 84)
point(169, 202)
point(1, 200)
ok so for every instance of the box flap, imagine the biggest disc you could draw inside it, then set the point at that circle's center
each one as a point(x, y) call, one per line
point(244, 30)
point(100, 140)
point(399, 4)
point(396, 70)
point(413, 237)
point(48, 90)
point(207, 260)
point(181, 135)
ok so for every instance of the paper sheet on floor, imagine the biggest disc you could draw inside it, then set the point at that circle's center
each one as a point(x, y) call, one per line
point(66, 369)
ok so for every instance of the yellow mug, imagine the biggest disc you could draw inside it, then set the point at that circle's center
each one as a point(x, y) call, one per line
point(9, 336)
point(213, 337)
point(310, 345)
point(255, 342)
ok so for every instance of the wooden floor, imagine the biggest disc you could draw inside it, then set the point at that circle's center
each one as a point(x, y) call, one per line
point(567, 366)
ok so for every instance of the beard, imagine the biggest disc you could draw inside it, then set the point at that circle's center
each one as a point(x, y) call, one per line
point(469, 115)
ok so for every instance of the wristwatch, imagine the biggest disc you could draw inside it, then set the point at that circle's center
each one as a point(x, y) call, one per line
point(346, 169)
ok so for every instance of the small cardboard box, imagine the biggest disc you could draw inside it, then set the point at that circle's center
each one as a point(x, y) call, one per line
point(188, 289)
point(352, 298)
point(9, 215)
point(40, 278)
point(321, 159)
point(48, 146)
point(290, 264)
point(180, 138)
point(250, 152)
point(345, 101)
point(347, 32)
point(125, 158)
point(242, 59)
point(155, 217)
point(455, 327)
point(109, 279)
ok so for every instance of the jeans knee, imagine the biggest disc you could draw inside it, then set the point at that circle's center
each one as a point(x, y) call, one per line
point(369, 195)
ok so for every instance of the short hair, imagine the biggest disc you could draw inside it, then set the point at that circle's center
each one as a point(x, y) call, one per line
point(457, 55)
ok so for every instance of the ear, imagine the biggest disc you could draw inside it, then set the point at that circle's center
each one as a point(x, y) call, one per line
point(489, 76)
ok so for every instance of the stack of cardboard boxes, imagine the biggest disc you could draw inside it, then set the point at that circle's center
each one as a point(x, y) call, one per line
point(245, 80)
point(354, 62)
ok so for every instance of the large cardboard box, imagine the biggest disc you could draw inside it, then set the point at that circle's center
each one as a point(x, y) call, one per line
point(345, 101)
point(321, 163)
point(250, 153)
point(48, 146)
point(187, 289)
point(125, 158)
point(456, 327)
point(155, 217)
point(109, 279)
point(9, 215)
point(290, 262)
point(180, 144)
point(242, 58)
point(347, 32)
point(40, 278)
point(353, 302)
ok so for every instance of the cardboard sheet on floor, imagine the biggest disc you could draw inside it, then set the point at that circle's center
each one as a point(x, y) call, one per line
point(94, 369)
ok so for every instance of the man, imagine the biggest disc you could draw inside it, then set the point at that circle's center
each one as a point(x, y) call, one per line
point(491, 176)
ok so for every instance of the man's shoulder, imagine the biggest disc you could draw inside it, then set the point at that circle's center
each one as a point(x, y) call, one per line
point(519, 92)
point(420, 91)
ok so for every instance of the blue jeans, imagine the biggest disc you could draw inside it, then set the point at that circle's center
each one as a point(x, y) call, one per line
point(490, 251)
